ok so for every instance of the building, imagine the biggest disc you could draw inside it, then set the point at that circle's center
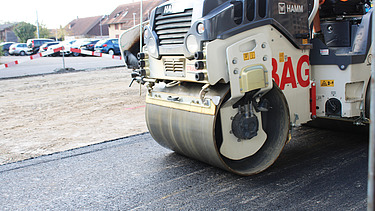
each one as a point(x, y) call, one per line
point(126, 16)
point(91, 27)
point(7, 34)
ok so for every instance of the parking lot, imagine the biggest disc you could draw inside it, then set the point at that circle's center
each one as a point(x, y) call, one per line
point(48, 65)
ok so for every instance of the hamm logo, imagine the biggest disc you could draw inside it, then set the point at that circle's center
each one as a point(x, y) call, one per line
point(289, 8)
point(282, 9)
point(168, 9)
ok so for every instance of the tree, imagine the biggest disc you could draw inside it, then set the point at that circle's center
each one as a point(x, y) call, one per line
point(24, 31)
point(43, 32)
point(61, 33)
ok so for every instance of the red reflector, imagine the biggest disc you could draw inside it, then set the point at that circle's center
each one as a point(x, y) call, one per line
point(105, 45)
point(313, 100)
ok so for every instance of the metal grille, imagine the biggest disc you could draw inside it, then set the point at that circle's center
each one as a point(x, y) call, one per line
point(174, 65)
point(172, 28)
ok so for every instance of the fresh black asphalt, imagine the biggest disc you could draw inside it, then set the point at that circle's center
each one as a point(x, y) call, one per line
point(318, 170)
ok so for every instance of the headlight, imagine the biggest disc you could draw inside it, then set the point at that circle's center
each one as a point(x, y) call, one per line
point(151, 46)
point(150, 42)
point(192, 44)
point(200, 28)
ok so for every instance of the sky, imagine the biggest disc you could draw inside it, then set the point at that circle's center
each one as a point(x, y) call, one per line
point(54, 13)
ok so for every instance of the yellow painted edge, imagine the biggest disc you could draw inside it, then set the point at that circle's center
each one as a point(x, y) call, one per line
point(191, 108)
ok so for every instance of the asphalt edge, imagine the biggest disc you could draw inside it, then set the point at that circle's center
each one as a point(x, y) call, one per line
point(68, 153)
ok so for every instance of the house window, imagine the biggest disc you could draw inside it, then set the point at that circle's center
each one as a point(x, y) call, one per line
point(117, 36)
point(116, 26)
point(118, 14)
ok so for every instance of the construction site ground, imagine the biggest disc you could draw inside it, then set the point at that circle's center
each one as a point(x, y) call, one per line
point(45, 114)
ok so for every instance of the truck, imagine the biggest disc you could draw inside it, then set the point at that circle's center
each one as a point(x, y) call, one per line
point(227, 80)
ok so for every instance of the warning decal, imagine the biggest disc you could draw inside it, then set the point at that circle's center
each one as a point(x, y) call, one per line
point(281, 57)
point(248, 56)
point(252, 55)
point(327, 83)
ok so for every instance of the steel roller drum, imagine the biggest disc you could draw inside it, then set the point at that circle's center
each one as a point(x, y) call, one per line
point(198, 133)
point(189, 133)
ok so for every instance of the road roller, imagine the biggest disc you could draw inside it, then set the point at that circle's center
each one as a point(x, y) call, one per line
point(227, 80)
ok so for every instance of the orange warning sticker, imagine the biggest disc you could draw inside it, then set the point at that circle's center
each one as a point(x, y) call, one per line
point(252, 55)
point(281, 57)
point(327, 83)
point(249, 55)
point(246, 56)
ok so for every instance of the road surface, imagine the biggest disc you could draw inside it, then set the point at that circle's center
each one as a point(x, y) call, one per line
point(318, 170)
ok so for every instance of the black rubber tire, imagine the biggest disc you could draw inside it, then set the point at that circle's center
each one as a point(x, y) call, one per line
point(111, 52)
point(276, 123)
point(22, 53)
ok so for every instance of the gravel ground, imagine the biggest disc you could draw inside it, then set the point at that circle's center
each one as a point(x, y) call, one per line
point(46, 114)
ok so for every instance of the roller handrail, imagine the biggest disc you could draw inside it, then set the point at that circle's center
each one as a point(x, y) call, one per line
point(314, 11)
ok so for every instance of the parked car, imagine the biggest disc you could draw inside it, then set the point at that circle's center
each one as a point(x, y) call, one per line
point(89, 45)
point(45, 46)
point(5, 47)
point(67, 44)
point(109, 46)
point(83, 43)
point(34, 44)
point(77, 45)
point(18, 49)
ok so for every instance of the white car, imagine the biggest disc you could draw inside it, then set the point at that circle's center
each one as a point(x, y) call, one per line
point(67, 44)
point(80, 43)
point(45, 46)
point(18, 49)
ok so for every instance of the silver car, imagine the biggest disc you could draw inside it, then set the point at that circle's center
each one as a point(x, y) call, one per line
point(18, 49)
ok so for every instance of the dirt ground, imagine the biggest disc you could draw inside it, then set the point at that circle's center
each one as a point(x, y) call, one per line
point(46, 114)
